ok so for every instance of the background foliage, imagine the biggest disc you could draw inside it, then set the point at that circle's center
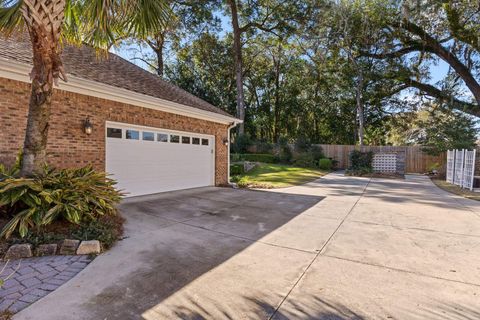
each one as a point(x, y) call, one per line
point(334, 71)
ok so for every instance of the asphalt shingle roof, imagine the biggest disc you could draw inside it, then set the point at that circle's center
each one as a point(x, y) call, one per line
point(85, 63)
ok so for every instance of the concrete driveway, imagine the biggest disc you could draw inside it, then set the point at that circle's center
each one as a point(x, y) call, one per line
point(337, 248)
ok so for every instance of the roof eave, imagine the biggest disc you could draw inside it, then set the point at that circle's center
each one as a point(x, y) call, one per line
point(15, 70)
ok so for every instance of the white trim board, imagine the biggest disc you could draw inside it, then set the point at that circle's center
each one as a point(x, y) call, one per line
point(14, 70)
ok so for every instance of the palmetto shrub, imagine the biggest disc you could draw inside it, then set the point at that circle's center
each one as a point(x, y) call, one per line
point(74, 195)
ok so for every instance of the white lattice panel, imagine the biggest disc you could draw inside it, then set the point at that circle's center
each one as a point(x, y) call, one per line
point(384, 162)
point(468, 169)
point(458, 172)
point(450, 165)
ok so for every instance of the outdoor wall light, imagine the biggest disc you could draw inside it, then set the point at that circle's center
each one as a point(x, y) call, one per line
point(225, 141)
point(87, 126)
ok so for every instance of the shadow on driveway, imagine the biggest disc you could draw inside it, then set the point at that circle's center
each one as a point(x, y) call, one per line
point(175, 238)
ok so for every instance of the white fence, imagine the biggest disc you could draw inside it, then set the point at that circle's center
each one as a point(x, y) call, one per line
point(450, 165)
point(461, 167)
point(458, 169)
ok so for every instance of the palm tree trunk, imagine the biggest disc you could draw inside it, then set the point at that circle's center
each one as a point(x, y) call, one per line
point(44, 20)
point(36, 134)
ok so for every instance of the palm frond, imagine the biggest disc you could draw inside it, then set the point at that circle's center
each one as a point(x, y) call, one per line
point(71, 32)
point(146, 17)
point(10, 15)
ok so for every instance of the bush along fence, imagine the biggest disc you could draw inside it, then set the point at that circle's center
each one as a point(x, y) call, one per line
point(389, 159)
point(461, 168)
point(409, 159)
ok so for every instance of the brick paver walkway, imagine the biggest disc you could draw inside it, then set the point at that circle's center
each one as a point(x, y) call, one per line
point(34, 278)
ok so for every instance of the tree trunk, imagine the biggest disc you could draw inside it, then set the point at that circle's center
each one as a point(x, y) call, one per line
point(276, 120)
point(159, 52)
point(36, 134)
point(360, 109)
point(44, 23)
point(237, 51)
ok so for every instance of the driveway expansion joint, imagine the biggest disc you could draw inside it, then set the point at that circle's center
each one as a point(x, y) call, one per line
point(320, 252)
point(413, 228)
point(247, 239)
point(401, 270)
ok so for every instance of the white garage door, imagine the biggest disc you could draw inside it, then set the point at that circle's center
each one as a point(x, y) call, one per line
point(149, 160)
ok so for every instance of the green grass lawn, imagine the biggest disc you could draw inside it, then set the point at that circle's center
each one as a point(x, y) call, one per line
point(269, 175)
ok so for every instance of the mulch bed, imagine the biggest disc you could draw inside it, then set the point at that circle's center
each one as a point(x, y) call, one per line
point(379, 175)
point(62, 229)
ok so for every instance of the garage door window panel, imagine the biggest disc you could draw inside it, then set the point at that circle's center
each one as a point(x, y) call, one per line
point(204, 142)
point(186, 140)
point(162, 137)
point(148, 136)
point(133, 135)
point(114, 133)
point(174, 138)
point(196, 141)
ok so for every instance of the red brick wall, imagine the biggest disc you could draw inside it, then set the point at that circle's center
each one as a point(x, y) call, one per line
point(69, 146)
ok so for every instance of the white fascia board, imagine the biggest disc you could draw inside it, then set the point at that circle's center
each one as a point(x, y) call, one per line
point(19, 71)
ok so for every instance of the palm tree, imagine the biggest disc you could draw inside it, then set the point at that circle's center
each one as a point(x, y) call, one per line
point(50, 24)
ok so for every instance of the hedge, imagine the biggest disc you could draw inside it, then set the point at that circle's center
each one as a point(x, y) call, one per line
point(236, 169)
point(254, 157)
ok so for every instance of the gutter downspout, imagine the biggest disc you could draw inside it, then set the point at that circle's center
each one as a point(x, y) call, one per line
point(230, 127)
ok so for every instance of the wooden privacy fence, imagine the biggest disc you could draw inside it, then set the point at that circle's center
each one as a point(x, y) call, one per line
point(416, 161)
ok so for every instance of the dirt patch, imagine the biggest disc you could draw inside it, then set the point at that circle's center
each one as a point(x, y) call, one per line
point(6, 315)
point(376, 175)
point(442, 184)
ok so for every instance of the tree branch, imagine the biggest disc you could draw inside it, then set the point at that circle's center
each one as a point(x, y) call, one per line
point(146, 62)
point(393, 54)
point(434, 92)
point(433, 46)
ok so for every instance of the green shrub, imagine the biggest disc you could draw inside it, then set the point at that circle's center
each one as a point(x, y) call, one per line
point(334, 163)
point(74, 195)
point(243, 182)
point(235, 157)
point(241, 143)
point(317, 152)
point(236, 169)
point(359, 172)
point(38, 238)
point(246, 182)
point(285, 154)
point(106, 229)
point(325, 164)
point(304, 160)
point(361, 160)
point(255, 157)
point(13, 171)
point(263, 147)
point(302, 144)
point(267, 158)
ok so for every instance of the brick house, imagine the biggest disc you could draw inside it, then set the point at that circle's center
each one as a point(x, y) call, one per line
point(150, 135)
